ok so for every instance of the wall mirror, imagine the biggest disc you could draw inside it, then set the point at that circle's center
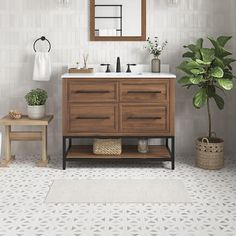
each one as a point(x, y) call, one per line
point(117, 20)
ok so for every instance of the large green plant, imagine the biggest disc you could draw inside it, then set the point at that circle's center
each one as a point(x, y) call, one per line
point(210, 70)
point(36, 97)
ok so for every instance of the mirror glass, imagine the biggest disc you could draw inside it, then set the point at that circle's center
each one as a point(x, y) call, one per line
point(118, 18)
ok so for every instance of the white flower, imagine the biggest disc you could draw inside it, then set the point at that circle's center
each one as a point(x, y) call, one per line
point(159, 48)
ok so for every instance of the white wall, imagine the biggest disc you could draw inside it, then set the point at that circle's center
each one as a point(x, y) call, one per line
point(22, 21)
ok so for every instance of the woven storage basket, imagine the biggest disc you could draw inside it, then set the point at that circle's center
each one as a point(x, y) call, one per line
point(210, 156)
point(107, 147)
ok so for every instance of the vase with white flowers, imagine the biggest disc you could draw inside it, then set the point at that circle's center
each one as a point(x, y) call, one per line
point(155, 49)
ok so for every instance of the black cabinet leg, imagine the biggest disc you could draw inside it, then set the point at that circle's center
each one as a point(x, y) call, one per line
point(173, 153)
point(167, 142)
point(64, 154)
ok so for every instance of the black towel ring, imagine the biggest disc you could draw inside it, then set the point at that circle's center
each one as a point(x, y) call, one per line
point(43, 38)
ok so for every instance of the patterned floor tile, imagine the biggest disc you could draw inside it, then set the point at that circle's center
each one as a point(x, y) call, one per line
point(23, 188)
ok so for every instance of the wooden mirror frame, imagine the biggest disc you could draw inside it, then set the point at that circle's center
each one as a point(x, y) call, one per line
point(93, 37)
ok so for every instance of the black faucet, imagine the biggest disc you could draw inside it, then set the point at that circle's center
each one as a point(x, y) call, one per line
point(128, 67)
point(118, 69)
point(108, 67)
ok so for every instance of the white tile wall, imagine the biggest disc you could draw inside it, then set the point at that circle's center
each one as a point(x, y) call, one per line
point(22, 21)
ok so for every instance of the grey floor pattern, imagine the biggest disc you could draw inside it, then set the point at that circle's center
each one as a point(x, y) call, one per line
point(23, 188)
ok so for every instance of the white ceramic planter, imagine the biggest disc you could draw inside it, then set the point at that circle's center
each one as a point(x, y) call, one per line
point(36, 112)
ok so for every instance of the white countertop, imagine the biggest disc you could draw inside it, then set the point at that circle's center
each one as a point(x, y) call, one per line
point(120, 75)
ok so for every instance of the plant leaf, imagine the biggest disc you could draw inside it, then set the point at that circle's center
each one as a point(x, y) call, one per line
point(203, 62)
point(198, 71)
point(217, 72)
point(199, 43)
point(226, 84)
point(196, 80)
point(200, 98)
point(219, 62)
point(184, 80)
point(207, 54)
point(228, 61)
point(189, 54)
point(183, 66)
point(222, 40)
point(214, 42)
point(219, 101)
point(211, 90)
point(192, 47)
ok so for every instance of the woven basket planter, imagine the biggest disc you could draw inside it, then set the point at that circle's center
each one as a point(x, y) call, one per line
point(107, 147)
point(210, 155)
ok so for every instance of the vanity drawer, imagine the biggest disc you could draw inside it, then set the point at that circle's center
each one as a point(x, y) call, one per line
point(92, 91)
point(144, 118)
point(90, 118)
point(156, 91)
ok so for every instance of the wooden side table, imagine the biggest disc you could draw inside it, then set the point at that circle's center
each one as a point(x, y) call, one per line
point(25, 136)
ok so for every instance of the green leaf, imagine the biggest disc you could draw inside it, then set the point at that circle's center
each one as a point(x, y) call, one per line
point(220, 52)
point(203, 62)
point(207, 54)
point(219, 101)
point(196, 80)
point(228, 61)
point(193, 65)
point(219, 62)
point(217, 72)
point(184, 80)
point(214, 42)
point(222, 40)
point(183, 66)
point(200, 98)
point(198, 71)
point(189, 55)
point(199, 43)
point(211, 90)
point(224, 53)
point(226, 84)
point(192, 47)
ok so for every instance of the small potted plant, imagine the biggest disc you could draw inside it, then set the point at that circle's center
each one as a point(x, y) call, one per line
point(155, 49)
point(209, 70)
point(36, 100)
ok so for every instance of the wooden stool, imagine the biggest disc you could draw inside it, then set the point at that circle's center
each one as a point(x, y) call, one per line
point(25, 136)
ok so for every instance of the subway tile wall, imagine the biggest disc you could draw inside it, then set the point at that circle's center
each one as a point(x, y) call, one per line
point(22, 21)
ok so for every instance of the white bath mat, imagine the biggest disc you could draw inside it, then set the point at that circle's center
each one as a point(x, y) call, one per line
point(118, 191)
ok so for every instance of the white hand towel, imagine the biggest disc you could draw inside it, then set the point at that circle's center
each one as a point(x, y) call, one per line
point(42, 67)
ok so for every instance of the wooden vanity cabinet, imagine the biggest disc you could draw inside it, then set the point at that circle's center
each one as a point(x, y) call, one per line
point(132, 108)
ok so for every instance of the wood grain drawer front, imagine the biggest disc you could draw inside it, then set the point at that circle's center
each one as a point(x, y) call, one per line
point(144, 91)
point(144, 118)
point(93, 118)
point(92, 91)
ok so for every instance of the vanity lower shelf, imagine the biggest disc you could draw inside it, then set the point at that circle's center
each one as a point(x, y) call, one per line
point(128, 152)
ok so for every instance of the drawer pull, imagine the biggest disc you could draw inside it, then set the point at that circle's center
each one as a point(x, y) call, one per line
point(151, 92)
point(143, 118)
point(92, 118)
point(92, 91)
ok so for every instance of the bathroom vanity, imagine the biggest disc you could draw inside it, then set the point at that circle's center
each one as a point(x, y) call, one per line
point(125, 105)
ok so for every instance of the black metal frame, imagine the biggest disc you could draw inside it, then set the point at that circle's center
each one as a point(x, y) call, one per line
point(167, 138)
point(112, 17)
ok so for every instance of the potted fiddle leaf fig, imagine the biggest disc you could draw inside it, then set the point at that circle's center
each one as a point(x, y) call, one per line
point(36, 100)
point(209, 70)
